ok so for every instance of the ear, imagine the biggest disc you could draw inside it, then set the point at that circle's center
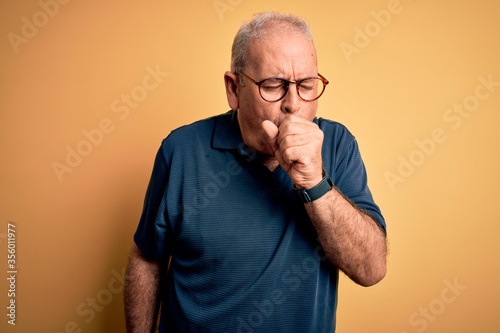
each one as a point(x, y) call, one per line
point(232, 82)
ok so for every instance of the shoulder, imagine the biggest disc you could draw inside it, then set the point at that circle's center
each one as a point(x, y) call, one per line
point(336, 134)
point(198, 128)
point(340, 149)
point(333, 127)
point(193, 135)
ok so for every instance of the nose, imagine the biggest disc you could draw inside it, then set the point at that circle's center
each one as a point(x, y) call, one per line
point(291, 102)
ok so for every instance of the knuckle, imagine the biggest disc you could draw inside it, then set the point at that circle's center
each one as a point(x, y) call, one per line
point(288, 141)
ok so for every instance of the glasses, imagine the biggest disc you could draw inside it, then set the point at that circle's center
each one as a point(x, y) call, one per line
point(274, 89)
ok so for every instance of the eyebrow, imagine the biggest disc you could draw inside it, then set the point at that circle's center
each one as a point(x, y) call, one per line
point(282, 78)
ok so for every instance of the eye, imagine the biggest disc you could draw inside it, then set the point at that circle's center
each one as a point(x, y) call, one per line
point(308, 84)
point(272, 84)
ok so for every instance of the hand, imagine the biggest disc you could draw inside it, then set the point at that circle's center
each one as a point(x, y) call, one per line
point(297, 146)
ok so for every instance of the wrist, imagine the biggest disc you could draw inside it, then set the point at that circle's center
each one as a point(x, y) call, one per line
point(317, 191)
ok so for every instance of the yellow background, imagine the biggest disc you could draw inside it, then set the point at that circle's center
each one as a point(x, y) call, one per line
point(394, 88)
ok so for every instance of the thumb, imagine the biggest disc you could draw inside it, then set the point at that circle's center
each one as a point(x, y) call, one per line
point(271, 132)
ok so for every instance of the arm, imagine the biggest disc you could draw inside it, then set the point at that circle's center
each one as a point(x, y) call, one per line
point(142, 296)
point(351, 239)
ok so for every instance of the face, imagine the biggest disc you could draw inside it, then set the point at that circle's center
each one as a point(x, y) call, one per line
point(287, 55)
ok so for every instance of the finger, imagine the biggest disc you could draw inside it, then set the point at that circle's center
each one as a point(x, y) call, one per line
point(298, 132)
point(271, 131)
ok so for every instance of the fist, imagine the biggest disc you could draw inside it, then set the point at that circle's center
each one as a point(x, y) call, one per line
point(297, 146)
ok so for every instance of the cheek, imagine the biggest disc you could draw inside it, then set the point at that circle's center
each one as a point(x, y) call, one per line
point(272, 112)
point(257, 112)
point(310, 111)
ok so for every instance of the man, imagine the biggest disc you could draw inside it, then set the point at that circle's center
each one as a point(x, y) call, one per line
point(257, 209)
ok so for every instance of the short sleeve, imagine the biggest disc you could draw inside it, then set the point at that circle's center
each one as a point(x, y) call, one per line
point(353, 183)
point(152, 232)
point(347, 170)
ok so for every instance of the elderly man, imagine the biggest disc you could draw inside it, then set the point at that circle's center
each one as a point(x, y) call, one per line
point(250, 215)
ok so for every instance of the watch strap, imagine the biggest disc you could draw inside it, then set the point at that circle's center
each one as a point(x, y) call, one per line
point(316, 192)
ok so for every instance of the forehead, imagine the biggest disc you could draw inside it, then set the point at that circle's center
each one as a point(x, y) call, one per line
point(287, 53)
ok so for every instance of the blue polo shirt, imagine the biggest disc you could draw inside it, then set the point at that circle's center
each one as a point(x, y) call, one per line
point(244, 254)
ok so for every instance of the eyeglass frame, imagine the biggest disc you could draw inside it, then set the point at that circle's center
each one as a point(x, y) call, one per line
point(297, 84)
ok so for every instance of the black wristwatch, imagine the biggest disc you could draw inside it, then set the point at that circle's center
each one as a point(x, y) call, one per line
point(325, 185)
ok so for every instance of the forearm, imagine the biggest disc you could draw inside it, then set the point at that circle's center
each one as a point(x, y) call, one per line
point(352, 240)
point(142, 285)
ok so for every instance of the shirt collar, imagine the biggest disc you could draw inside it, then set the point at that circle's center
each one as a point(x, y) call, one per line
point(227, 134)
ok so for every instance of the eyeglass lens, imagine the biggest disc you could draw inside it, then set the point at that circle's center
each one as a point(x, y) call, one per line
point(275, 89)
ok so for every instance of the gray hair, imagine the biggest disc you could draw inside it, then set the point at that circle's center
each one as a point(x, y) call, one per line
point(258, 27)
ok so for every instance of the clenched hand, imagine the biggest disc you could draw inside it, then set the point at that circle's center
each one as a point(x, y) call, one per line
point(297, 146)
